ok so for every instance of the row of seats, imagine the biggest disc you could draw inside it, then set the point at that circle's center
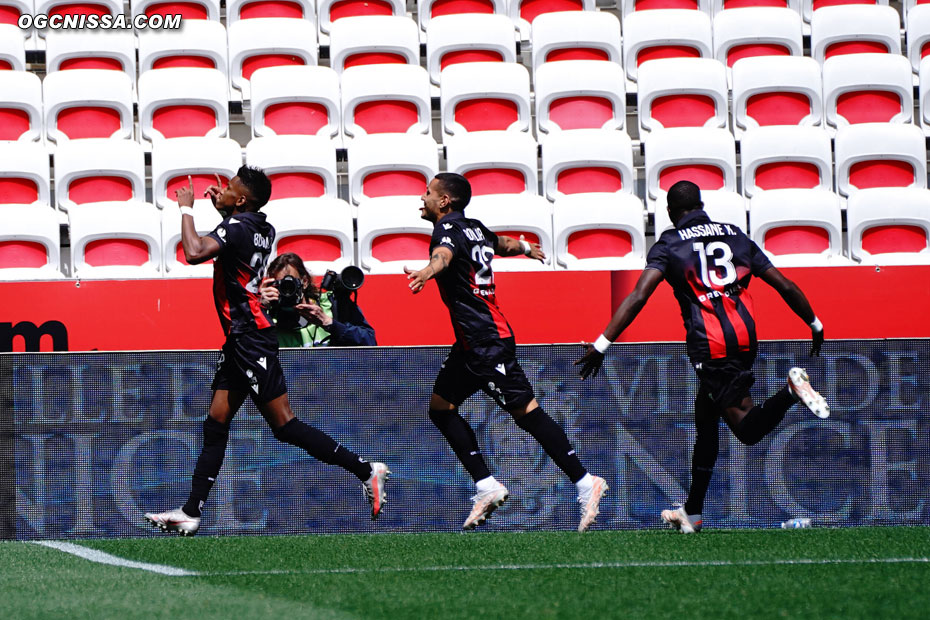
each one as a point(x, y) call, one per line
point(573, 162)
point(594, 231)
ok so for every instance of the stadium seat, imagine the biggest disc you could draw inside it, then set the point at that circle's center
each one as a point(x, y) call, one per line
point(296, 100)
point(494, 162)
point(87, 103)
point(513, 216)
point(587, 161)
point(717, 6)
point(785, 157)
point(24, 173)
point(268, 42)
point(854, 29)
point(29, 243)
point(98, 170)
point(298, 166)
point(10, 10)
point(757, 31)
point(485, 96)
point(524, 12)
point(12, 48)
point(427, 10)
point(798, 227)
point(867, 88)
point(599, 232)
point(682, 92)
point(115, 241)
point(200, 44)
point(385, 99)
point(889, 226)
point(206, 218)
point(579, 94)
point(282, 9)
point(183, 102)
point(631, 7)
point(201, 158)
point(454, 39)
point(114, 50)
point(21, 116)
point(879, 155)
point(391, 235)
point(576, 35)
point(918, 34)
point(703, 156)
point(776, 90)
point(720, 205)
point(190, 10)
point(373, 40)
point(76, 7)
point(329, 11)
point(319, 231)
point(923, 99)
point(666, 33)
point(810, 7)
point(391, 165)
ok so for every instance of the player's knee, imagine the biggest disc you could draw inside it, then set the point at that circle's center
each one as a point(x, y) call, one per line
point(747, 438)
point(437, 416)
point(215, 432)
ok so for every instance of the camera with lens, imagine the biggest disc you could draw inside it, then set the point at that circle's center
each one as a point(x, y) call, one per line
point(350, 279)
point(290, 291)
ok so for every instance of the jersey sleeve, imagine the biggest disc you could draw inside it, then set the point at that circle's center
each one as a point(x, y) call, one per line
point(658, 255)
point(220, 234)
point(759, 263)
point(446, 238)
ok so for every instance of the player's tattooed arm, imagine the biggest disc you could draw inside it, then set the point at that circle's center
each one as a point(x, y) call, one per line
point(438, 261)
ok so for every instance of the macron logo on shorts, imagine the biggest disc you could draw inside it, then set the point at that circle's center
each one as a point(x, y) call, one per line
point(500, 368)
point(263, 362)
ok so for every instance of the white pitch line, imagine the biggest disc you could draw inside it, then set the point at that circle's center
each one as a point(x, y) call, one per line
point(105, 558)
point(518, 567)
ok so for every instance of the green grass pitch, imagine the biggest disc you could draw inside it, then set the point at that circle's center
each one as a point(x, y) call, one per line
point(811, 573)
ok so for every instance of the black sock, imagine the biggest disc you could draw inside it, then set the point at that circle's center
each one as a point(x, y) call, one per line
point(552, 438)
point(761, 419)
point(215, 437)
point(461, 438)
point(322, 447)
point(706, 448)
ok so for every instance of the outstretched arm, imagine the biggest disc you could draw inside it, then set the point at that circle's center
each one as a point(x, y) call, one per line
point(508, 246)
point(797, 301)
point(627, 311)
point(438, 261)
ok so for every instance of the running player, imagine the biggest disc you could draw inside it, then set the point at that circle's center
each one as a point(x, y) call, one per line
point(708, 266)
point(248, 366)
point(484, 354)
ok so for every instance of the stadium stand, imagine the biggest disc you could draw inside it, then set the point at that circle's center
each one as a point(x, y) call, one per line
point(87, 103)
point(237, 10)
point(776, 90)
point(385, 99)
point(879, 235)
point(24, 173)
point(682, 92)
point(115, 241)
point(373, 40)
point(183, 102)
point(599, 232)
point(319, 231)
point(268, 42)
point(21, 108)
point(391, 165)
point(785, 157)
point(454, 39)
point(879, 155)
point(579, 94)
point(201, 43)
point(494, 162)
point(29, 243)
point(98, 170)
point(190, 10)
point(12, 48)
point(485, 96)
point(667, 33)
point(576, 35)
point(299, 166)
point(391, 235)
point(587, 161)
point(296, 99)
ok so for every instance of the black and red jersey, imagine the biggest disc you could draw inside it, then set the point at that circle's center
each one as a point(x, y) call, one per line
point(245, 246)
point(709, 265)
point(467, 284)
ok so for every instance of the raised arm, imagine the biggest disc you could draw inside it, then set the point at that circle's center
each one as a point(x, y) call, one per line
point(797, 301)
point(438, 261)
point(628, 309)
point(197, 249)
point(508, 246)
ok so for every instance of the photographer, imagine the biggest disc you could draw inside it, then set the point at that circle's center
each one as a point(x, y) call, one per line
point(306, 316)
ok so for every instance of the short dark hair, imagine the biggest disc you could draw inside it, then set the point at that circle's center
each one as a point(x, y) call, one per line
point(258, 184)
point(458, 188)
point(684, 196)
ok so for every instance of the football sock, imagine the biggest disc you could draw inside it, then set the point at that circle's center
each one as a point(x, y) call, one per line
point(586, 482)
point(215, 438)
point(704, 456)
point(461, 438)
point(552, 438)
point(486, 484)
point(761, 419)
point(322, 447)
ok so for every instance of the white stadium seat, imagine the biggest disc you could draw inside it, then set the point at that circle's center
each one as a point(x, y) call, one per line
point(867, 88)
point(392, 235)
point(587, 161)
point(706, 157)
point(599, 232)
point(388, 165)
point(798, 227)
point(24, 174)
point(298, 166)
point(373, 40)
point(776, 90)
point(29, 243)
point(494, 162)
point(87, 103)
point(300, 100)
point(115, 241)
point(785, 157)
point(579, 94)
point(576, 35)
point(485, 96)
point(664, 33)
point(682, 92)
point(385, 99)
point(201, 43)
point(454, 39)
point(98, 170)
point(183, 102)
point(889, 226)
point(318, 230)
point(879, 155)
point(268, 42)
point(206, 218)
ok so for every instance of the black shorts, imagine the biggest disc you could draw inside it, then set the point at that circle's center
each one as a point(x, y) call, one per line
point(490, 366)
point(726, 381)
point(249, 363)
